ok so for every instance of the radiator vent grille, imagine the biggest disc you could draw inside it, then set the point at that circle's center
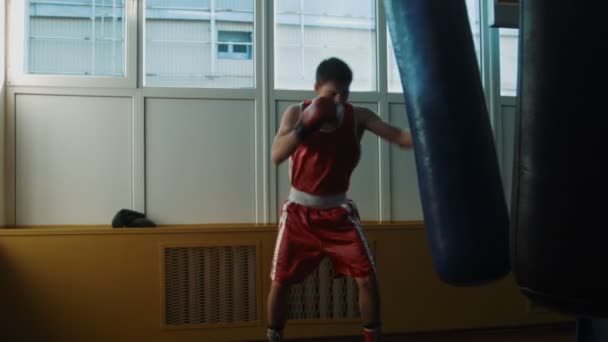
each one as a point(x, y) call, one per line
point(210, 285)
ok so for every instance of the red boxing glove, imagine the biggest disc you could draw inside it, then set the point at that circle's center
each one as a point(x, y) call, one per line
point(321, 110)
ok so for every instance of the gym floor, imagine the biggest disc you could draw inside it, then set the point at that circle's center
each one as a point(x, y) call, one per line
point(546, 333)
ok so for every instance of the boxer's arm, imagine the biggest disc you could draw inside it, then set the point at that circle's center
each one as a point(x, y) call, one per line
point(296, 127)
point(286, 139)
point(373, 123)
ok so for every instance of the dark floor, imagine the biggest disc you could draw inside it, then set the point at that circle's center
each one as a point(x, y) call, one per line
point(549, 333)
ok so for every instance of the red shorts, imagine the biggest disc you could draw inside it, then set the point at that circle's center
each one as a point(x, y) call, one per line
point(307, 235)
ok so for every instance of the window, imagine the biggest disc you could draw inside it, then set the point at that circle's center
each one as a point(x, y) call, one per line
point(75, 37)
point(308, 31)
point(199, 43)
point(394, 80)
point(234, 45)
point(2, 60)
point(72, 43)
point(508, 61)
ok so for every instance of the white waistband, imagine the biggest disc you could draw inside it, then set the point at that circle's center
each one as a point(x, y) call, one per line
point(315, 201)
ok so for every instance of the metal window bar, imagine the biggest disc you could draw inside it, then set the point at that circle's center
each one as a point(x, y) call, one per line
point(302, 71)
point(101, 5)
point(313, 14)
point(69, 3)
point(179, 41)
point(197, 9)
point(114, 36)
point(93, 42)
point(212, 28)
point(44, 37)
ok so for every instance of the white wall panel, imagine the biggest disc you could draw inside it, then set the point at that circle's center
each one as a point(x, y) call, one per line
point(200, 161)
point(405, 198)
point(73, 159)
point(365, 183)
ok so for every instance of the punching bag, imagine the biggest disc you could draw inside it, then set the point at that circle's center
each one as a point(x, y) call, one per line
point(464, 207)
point(558, 211)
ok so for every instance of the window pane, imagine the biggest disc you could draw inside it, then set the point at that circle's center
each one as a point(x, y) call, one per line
point(188, 43)
point(239, 48)
point(308, 31)
point(508, 61)
point(234, 36)
point(76, 37)
point(394, 80)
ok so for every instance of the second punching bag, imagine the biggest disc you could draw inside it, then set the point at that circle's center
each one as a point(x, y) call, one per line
point(559, 209)
point(463, 202)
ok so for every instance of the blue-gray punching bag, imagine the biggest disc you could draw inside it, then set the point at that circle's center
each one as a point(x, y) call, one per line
point(463, 201)
point(560, 177)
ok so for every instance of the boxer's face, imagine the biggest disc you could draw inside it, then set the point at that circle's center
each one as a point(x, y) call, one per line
point(331, 89)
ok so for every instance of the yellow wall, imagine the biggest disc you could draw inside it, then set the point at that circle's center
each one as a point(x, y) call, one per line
point(77, 284)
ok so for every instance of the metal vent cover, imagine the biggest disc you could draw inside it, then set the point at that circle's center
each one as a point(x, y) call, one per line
point(210, 285)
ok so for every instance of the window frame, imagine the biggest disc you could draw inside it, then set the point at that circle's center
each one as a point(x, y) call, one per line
point(16, 59)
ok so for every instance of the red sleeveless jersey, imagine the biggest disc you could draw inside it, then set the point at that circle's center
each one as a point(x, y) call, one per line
point(323, 163)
